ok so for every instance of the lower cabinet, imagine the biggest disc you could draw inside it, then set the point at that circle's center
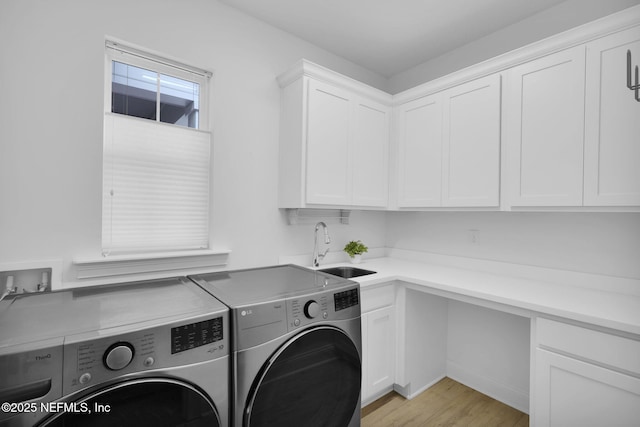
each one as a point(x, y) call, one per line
point(584, 377)
point(378, 342)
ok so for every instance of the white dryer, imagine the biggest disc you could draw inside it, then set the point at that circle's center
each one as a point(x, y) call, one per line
point(135, 354)
point(297, 350)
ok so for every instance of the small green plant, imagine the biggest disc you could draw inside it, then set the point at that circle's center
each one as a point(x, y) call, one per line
point(355, 247)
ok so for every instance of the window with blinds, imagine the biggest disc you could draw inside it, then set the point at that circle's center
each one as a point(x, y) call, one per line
point(156, 154)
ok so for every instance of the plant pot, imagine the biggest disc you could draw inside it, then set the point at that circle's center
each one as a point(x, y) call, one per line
point(356, 259)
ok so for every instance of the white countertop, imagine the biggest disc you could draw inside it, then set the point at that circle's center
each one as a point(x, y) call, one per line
point(590, 303)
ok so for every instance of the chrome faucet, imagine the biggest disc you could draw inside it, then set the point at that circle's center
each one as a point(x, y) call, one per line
point(317, 256)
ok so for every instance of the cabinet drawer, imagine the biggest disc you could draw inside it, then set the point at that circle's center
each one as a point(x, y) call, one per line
point(373, 299)
point(600, 347)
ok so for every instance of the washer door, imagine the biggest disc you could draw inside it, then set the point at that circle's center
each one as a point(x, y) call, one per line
point(312, 380)
point(141, 402)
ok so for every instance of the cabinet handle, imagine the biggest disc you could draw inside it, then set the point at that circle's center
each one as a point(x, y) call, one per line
point(635, 87)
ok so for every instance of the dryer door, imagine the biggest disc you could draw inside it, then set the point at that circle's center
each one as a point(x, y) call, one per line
point(312, 380)
point(141, 402)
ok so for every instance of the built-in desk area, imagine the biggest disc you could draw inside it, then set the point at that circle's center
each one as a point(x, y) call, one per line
point(543, 341)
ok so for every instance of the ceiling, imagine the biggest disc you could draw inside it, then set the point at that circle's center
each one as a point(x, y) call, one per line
point(390, 36)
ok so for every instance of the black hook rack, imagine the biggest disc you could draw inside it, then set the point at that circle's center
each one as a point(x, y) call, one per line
point(634, 87)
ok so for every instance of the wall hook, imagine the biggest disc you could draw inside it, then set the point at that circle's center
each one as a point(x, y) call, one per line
point(634, 87)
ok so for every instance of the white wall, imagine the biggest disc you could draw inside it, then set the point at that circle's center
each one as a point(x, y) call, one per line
point(488, 350)
point(601, 243)
point(51, 110)
point(562, 17)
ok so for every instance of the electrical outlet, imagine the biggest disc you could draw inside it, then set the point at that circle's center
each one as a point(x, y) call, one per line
point(474, 236)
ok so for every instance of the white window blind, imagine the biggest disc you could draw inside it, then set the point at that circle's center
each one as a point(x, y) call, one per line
point(156, 186)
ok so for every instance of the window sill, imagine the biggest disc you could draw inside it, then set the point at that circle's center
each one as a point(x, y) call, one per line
point(119, 265)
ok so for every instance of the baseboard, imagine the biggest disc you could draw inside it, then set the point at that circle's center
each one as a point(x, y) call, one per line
point(408, 393)
point(509, 396)
point(377, 396)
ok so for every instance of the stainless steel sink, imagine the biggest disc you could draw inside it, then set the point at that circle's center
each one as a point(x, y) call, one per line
point(347, 272)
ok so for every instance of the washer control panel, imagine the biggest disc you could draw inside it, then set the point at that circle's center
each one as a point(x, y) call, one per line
point(90, 360)
point(194, 335)
point(311, 309)
point(112, 354)
point(118, 356)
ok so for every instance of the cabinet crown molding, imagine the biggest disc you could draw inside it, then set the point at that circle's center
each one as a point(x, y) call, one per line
point(306, 68)
point(582, 34)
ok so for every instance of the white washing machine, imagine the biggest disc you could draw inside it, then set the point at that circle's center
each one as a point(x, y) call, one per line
point(150, 353)
point(297, 350)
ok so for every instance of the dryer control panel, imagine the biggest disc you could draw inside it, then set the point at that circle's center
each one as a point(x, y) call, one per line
point(346, 299)
point(326, 306)
point(256, 324)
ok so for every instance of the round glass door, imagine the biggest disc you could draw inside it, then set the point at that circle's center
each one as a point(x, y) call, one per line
point(312, 380)
point(143, 402)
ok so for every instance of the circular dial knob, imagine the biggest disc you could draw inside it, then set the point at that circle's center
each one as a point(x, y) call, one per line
point(118, 356)
point(311, 309)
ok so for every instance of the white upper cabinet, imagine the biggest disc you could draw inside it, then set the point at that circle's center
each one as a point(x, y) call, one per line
point(550, 126)
point(471, 144)
point(449, 147)
point(370, 154)
point(334, 141)
point(420, 152)
point(544, 130)
point(612, 137)
point(329, 131)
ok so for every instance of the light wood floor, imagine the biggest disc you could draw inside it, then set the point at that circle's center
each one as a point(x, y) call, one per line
point(447, 403)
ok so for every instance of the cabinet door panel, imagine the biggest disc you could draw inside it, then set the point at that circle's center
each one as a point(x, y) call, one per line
point(370, 154)
point(420, 152)
point(471, 148)
point(569, 392)
point(612, 139)
point(328, 133)
point(380, 348)
point(545, 130)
